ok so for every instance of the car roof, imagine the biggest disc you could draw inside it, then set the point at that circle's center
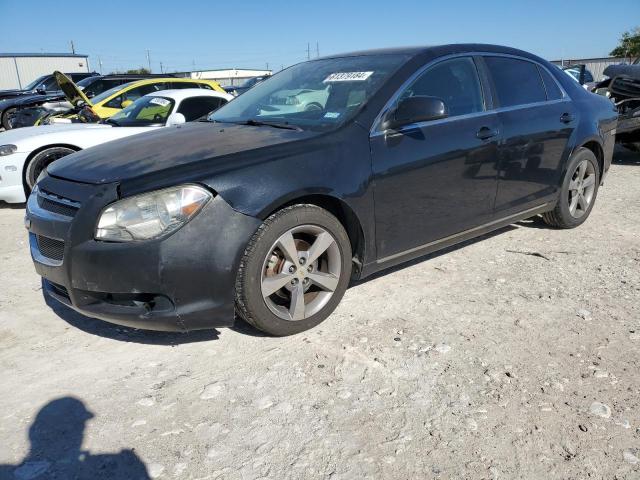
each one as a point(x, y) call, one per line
point(180, 94)
point(438, 50)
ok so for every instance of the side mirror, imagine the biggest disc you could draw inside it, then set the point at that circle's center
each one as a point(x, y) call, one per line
point(413, 110)
point(90, 94)
point(176, 119)
point(125, 103)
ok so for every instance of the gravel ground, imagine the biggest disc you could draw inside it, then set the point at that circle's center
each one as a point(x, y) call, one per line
point(517, 356)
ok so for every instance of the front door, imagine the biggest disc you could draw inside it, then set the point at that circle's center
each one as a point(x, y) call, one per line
point(434, 179)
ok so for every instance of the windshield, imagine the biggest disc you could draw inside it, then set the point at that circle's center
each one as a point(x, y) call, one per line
point(35, 83)
point(82, 84)
point(107, 93)
point(317, 95)
point(143, 112)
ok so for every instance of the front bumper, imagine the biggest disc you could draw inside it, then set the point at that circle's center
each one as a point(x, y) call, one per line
point(11, 168)
point(185, 281)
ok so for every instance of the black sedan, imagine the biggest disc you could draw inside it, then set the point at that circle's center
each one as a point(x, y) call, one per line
point(270, 209)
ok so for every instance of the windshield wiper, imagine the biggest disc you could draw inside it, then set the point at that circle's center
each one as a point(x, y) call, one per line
point(258, 123)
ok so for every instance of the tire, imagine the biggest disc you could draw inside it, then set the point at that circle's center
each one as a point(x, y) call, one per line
point(5, 118)
point(578, 191)
point(634, 147)
point(39, 162)
point(266, 265)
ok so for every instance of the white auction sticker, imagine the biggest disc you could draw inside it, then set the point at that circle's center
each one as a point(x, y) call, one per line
point(348, 77)
point(163, 102)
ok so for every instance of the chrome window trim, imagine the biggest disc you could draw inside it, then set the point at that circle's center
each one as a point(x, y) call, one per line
point(376, 131)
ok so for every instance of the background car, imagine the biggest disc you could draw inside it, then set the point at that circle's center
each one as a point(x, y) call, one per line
point(41, 86)
point(246, 85)
point(25, 152)
point(313, 98)
point(622, 87)
point(115, 99)
point(25, 111)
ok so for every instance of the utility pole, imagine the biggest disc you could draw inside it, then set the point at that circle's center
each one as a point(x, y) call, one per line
point(100, 63)
point(161, 70)
point(149, 60)
point(73, 48)
point(317, 50)
point(267, 66)
point(308, 52)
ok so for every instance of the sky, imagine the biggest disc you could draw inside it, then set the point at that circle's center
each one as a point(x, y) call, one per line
point(198, 34)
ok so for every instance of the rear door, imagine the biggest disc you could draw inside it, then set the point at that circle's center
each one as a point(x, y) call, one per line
point(536, 119)
point(437, 178)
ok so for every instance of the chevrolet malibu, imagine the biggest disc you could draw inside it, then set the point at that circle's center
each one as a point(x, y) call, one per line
point(271, 214)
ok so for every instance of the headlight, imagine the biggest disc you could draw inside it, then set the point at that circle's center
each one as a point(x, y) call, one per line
point(151, 215)
point(7, 150)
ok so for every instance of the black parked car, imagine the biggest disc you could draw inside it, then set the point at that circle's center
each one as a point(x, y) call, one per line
point(272, 212)
point(27, 110)
point(41, 87)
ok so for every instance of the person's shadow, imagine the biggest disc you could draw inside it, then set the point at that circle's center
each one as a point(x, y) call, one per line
point(56, 438)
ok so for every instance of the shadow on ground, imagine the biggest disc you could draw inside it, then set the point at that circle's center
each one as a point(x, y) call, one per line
point(55, 439)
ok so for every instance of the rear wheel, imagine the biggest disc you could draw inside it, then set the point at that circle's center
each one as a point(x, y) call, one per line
point(578, 191)
point(294, 271)
point(40, 161)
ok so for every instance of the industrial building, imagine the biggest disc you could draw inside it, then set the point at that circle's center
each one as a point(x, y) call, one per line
point(19, 69)
point(227, 77)
point(595, 65)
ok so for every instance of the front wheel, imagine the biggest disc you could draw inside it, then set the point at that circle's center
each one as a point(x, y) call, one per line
point(578, 191)
point(39, 162)
point(6, 118)
point(294, 271)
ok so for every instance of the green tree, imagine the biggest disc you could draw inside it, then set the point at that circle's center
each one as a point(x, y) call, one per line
point(140, 71)
point(629, 45)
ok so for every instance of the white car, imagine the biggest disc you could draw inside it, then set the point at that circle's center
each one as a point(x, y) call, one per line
point(25, 152)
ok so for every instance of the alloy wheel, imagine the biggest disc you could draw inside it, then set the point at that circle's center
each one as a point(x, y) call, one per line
point(581, 188)
point(301, 272)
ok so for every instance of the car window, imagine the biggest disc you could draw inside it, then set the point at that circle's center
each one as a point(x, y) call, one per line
point(49, 84)
point(453, 81)
point(144, 111)
point(318, 95)
point(517, 82)
point(179, 85)
point(134, 94)
point(197, 107)
point(550, 85)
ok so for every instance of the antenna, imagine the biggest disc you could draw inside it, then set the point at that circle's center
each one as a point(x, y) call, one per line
point(308, 52)
point(149, 60)
point(73, 48)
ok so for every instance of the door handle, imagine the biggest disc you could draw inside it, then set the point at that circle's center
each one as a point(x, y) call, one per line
point(486, 133)
point(567, 118)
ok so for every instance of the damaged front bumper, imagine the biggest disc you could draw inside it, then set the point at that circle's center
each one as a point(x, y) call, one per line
point(185, 281)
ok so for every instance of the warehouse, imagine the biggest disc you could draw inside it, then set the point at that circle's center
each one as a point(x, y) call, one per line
point(19, 69)
point(227, 76)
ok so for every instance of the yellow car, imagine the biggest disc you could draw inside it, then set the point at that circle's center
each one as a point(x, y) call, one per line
point(111, 101)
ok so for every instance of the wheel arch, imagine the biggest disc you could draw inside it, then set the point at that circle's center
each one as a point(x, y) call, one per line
point(341, 210)
point(42, 149)
point(596, 148)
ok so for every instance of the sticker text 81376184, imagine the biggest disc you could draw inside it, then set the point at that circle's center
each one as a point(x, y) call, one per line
point(348, 77)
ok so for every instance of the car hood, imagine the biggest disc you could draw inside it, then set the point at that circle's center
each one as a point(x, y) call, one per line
point(14, 93)
point(71, 90)
point(211, 147)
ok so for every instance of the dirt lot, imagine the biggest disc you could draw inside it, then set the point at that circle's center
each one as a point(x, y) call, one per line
point(517, 356)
